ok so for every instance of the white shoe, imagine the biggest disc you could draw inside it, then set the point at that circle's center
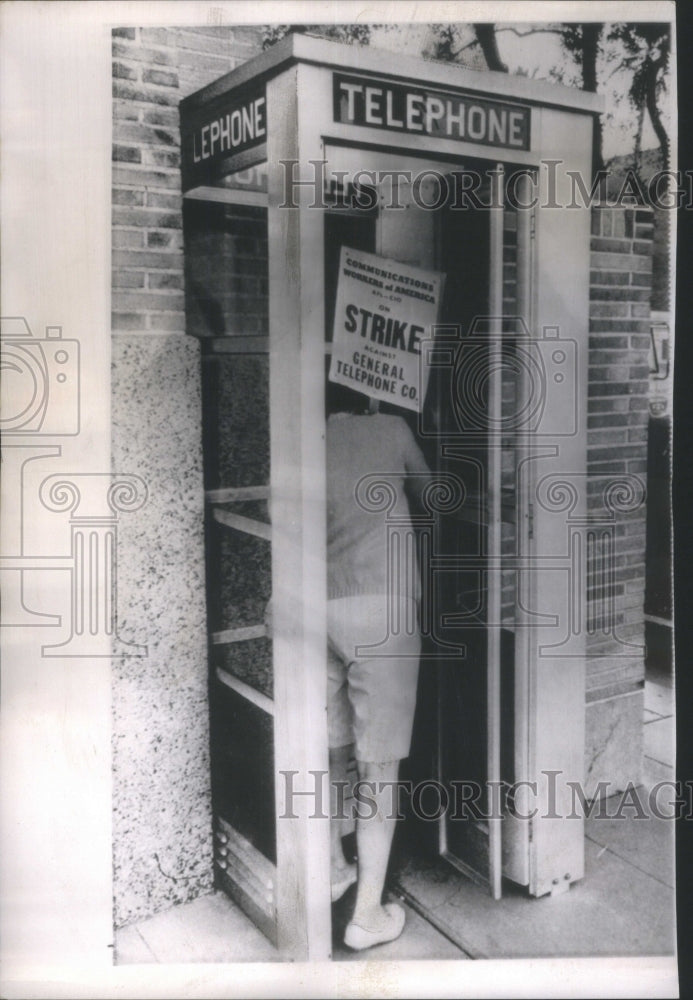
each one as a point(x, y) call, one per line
point(358, 937)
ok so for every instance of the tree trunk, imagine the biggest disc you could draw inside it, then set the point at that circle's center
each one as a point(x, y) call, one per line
point(653, 111)
point(486, 36)
point(591, 33)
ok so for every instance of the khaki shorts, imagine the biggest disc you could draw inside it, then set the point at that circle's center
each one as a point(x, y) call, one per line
point(371, 693)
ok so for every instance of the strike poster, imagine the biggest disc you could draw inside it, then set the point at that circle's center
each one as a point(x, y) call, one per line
point(384, 311)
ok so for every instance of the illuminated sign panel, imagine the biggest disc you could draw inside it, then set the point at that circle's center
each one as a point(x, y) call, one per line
point(400, 107)
point(226, 128)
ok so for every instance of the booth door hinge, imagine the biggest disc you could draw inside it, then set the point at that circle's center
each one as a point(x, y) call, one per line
point(530, 520)
point(532, 224)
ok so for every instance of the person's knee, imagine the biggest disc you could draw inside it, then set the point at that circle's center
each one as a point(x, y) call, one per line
point(376, 770)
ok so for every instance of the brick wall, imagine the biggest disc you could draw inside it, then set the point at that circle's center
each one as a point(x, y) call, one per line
point(620, 288)
point(153, 69)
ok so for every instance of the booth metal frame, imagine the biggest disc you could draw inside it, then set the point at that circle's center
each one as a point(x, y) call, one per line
point(291, 900)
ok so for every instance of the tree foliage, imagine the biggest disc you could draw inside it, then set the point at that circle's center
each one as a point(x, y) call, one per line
point(349, 33)
point(596, 50)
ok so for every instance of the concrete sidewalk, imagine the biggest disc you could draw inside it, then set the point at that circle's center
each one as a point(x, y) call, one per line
point(623, 906)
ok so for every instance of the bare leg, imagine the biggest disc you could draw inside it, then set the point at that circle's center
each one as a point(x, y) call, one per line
point(339, 762)
point(374, 840)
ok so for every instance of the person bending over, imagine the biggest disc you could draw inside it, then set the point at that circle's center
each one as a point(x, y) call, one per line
point(371, 699)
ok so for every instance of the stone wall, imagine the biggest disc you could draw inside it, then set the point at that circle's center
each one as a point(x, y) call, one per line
point(161, 783)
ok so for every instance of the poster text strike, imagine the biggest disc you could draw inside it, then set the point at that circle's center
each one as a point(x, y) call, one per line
point(384, 310)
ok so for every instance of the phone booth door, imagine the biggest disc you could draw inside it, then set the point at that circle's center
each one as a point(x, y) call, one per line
point(501, 700)
point(482, 678)
point(469, 670)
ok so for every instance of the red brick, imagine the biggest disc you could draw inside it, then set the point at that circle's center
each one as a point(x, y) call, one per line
point(124, 111)
point(607, 420)
point(147, 95)
point(127, 238)
point(141, 177)
point(642, 247)
point(597, 437)
point(161, 57)
point(616, 388)
point(608, 342)
point(159, 36)
point(609, 309)
point(645, 226)
point(640, 342)
point(127, 321)
point(130, 33)
point(641, 279)
point(161, 78)
point(637, 434)
point(127, 154)
point(150, 301)
point(608, 278)
point(621, 452)
point(615, 325)
point(609, 245)
point(170, 321)
point(123, 72)
point(638, 467)
point(146, 135)
point(637, 526)
point(609, 373)
point(169, 238)
point(145, 259)
point(158, 199)
point(607, 405)
point(128, 279)
point(164, 280)
point(147, 218)
point(619, 294)
point(161, 116)
point(640, 310)
point(127, 196)
point(610, 468)
point(161, 158)
point(599, 357)
point(620, 262)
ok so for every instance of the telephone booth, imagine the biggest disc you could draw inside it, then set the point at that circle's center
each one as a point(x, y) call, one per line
point(305, 155)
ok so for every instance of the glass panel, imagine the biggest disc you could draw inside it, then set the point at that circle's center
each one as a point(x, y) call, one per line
point(243, 767)
point(227, 297)
point(462, 593)
point(235, 394)
point(236, 418)
point(226, 269)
